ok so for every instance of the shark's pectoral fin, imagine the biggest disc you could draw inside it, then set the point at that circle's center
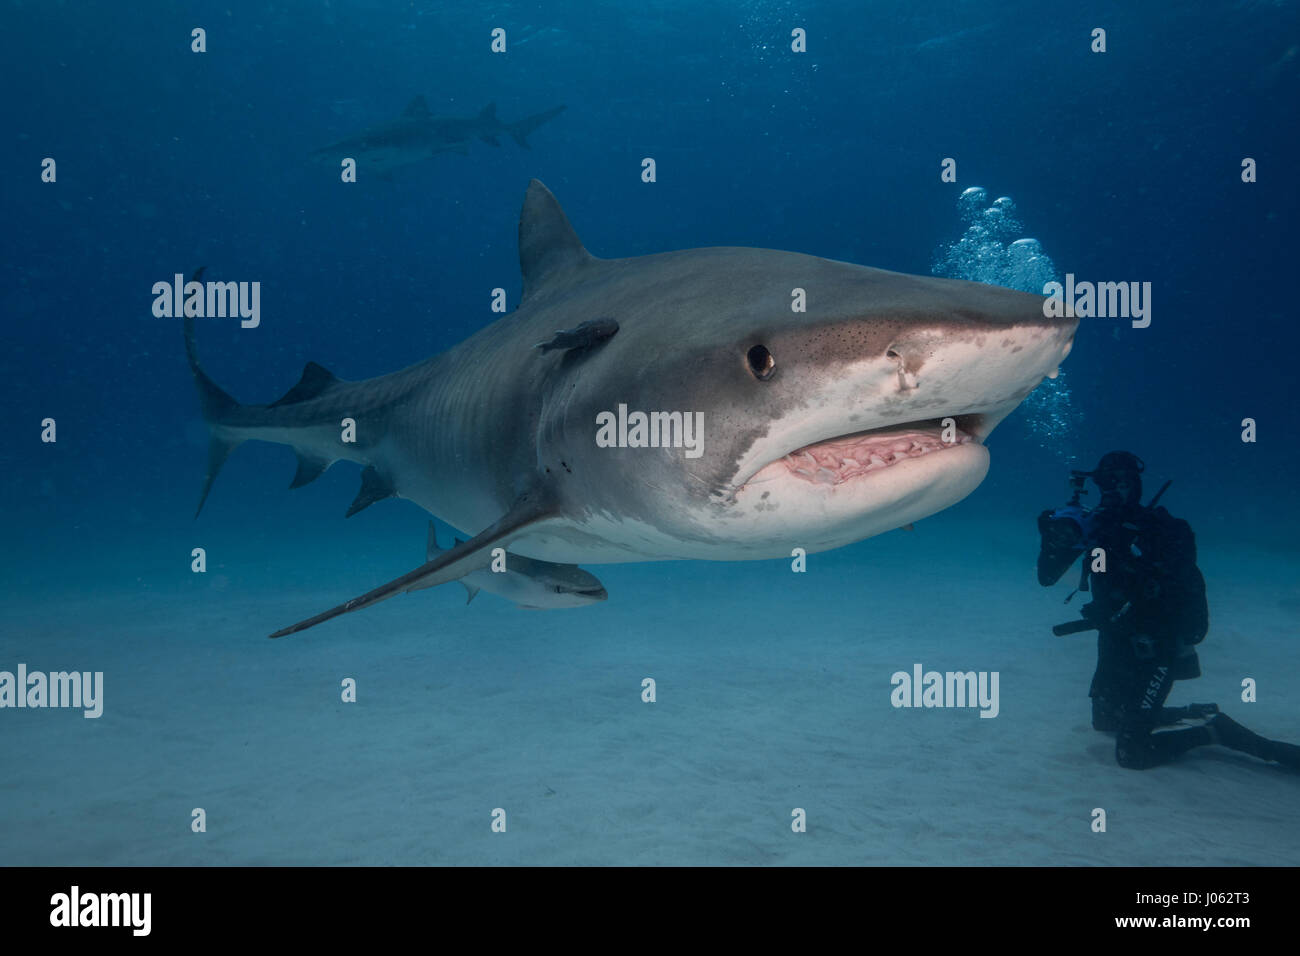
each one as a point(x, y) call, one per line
point(450, 565)
point(309, 469)
point(374, 487)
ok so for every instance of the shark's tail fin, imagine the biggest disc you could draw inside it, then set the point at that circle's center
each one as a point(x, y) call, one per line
point(214, 403)
point(519, 131)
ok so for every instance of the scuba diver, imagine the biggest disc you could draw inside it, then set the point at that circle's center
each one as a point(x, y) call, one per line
point(1149, 610)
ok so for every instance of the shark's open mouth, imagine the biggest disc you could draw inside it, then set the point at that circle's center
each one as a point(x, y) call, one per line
point(834, 461)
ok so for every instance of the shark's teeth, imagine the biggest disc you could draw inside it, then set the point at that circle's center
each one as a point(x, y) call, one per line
point(838, 460)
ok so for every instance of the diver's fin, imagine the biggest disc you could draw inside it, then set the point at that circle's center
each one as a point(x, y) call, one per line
point(309, 469)
point(374, 487)
point(450, 565)
point(417, 107)
point(315, 381)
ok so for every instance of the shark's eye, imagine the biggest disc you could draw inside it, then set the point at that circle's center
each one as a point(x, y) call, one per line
point(761, 362)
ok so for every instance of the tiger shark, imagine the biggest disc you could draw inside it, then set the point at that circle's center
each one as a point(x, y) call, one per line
point(418, 135)
point(831, 402)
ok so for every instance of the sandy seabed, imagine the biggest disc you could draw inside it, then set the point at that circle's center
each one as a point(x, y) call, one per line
point(773, 693)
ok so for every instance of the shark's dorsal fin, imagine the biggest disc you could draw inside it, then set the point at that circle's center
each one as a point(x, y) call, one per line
point(548, 246)
point(417, 107)
point(315, 381)
point(374, 487)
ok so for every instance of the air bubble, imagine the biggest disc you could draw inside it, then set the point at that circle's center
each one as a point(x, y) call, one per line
point(988, 251)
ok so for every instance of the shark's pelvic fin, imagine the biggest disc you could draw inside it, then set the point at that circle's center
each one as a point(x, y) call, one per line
point(309, 469)
point(450, 565)
point(471, 592)
point(374, 487)
point(315, 381)
point(548, 246)
point(417, 107)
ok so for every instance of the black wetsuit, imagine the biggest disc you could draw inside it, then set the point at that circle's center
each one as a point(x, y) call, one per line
point(1150, 609)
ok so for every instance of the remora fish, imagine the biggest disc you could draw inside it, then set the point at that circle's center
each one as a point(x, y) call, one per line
point(863, 413)
point(418, 135)
point(528, 583)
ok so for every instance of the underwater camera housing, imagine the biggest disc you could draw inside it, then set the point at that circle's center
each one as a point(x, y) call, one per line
point(1074, 511)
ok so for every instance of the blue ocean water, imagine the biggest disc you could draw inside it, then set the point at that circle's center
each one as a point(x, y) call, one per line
point(1124, 166)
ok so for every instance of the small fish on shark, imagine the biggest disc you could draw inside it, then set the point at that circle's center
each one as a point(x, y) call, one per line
point(527, 583)
point(865, 412)
point(418, 135)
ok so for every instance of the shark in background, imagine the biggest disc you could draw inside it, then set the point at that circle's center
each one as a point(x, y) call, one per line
point(526, 583)
point(418, 135)
point(864, 412)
